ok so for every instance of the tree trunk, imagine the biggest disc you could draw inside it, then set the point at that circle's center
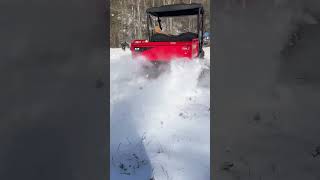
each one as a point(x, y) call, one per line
point(171, 23)
point(139, 19)
point(189, 24)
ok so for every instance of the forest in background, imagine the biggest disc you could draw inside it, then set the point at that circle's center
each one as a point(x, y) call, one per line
point(128, 19)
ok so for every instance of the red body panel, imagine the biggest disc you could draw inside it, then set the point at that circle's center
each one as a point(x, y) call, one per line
point(164, 51)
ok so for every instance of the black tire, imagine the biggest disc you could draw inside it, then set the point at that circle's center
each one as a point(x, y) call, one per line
point(201, 54)
point(155, 69)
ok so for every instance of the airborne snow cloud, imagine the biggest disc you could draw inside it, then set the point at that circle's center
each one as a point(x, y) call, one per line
point(159, 127)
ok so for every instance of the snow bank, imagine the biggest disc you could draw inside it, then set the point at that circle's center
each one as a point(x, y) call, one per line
point(160, 127)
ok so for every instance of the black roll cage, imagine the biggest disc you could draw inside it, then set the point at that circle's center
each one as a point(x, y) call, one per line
point(199, 11)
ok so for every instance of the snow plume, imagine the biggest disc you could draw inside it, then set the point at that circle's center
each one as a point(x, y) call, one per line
point(159, 127)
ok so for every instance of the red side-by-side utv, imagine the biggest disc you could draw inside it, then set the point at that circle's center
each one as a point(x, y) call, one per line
point(163, 48)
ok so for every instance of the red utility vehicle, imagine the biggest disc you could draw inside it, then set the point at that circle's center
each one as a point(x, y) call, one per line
point(161, 47)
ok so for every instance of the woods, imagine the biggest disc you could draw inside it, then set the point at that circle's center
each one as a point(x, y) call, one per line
point(128, 19)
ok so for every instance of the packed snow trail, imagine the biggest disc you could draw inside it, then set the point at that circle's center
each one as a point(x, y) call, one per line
point(160, 127)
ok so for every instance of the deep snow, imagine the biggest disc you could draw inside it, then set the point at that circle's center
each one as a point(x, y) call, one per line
point(160, 127)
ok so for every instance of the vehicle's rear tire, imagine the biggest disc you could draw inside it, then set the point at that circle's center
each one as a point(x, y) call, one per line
point(201, 54)
point(156, 69)
point(204, 78)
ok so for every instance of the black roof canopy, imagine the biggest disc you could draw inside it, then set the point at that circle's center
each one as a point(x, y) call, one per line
point(176, 10)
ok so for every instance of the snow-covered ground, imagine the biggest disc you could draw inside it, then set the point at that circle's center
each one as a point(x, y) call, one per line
point(160, 128)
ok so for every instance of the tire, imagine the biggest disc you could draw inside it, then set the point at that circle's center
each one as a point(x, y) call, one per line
point(201, 54)
point(156, 69)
